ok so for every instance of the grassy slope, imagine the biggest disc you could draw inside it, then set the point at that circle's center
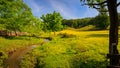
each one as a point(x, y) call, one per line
point(71, 49)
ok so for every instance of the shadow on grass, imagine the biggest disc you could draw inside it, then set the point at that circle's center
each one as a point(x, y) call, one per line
point(92, 64)
point(100, 35)
point(24, 37)
point(95, 29)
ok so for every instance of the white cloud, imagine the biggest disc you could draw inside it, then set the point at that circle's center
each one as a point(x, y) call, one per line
point(90, 12)
point(68, 9)
point(37, 8)
point(63, 8)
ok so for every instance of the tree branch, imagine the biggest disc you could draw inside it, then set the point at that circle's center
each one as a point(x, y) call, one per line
point(118, 4)
point(96, 3)
point(95, 7)
point(99, 8)
point(103, 10)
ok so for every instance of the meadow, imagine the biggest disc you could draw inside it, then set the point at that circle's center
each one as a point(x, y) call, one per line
point(53, 40)
point(71, 48)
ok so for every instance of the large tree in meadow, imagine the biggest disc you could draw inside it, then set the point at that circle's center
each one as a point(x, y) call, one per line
point(113, 37)
point(14, 14)
point(52, 21)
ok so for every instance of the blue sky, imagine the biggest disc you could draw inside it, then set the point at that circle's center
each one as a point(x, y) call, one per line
point(69, 9)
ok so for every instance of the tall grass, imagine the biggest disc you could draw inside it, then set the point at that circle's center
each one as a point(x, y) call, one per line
point(85, 49)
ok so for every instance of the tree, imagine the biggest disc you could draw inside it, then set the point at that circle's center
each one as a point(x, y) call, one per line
point(113, 41)
point(76, 23)
point(52, 21)
point(34, 27)
point(100, 22)
point(14, 14)
point(119, 18)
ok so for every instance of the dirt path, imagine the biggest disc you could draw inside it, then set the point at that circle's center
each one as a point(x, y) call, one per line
point(14, 60)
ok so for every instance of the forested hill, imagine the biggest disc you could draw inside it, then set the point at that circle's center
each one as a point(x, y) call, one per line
point(100, 22)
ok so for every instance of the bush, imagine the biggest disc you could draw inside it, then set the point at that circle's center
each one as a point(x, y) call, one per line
point(3, 57)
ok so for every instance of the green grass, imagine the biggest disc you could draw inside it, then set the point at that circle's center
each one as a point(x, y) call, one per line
point(85, 49)
point(89, 27)
point(8, 45)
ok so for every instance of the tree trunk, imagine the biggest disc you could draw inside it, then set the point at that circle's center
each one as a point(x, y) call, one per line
point(16, 33)
point(113, 33)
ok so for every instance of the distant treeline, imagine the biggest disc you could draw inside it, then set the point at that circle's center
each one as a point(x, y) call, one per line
point(76, 23)
point(100, 22)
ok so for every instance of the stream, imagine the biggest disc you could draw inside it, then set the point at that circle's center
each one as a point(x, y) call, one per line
point(14, 60)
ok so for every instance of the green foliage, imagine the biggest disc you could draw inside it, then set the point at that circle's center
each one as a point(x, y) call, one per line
point(102, 9)
point(14, 14)
point(76, 23)
point(52, 22)
point(29, 60)
point(34, 27)
point(100, 21)
point(3, 57)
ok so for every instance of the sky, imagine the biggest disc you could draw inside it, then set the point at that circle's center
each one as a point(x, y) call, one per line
point(69, 9)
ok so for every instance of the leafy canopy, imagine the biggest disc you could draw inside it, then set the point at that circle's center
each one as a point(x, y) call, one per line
point(52, 21)
point(14, 14)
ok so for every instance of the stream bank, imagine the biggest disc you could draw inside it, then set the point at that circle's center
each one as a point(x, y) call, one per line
point(14, 60)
